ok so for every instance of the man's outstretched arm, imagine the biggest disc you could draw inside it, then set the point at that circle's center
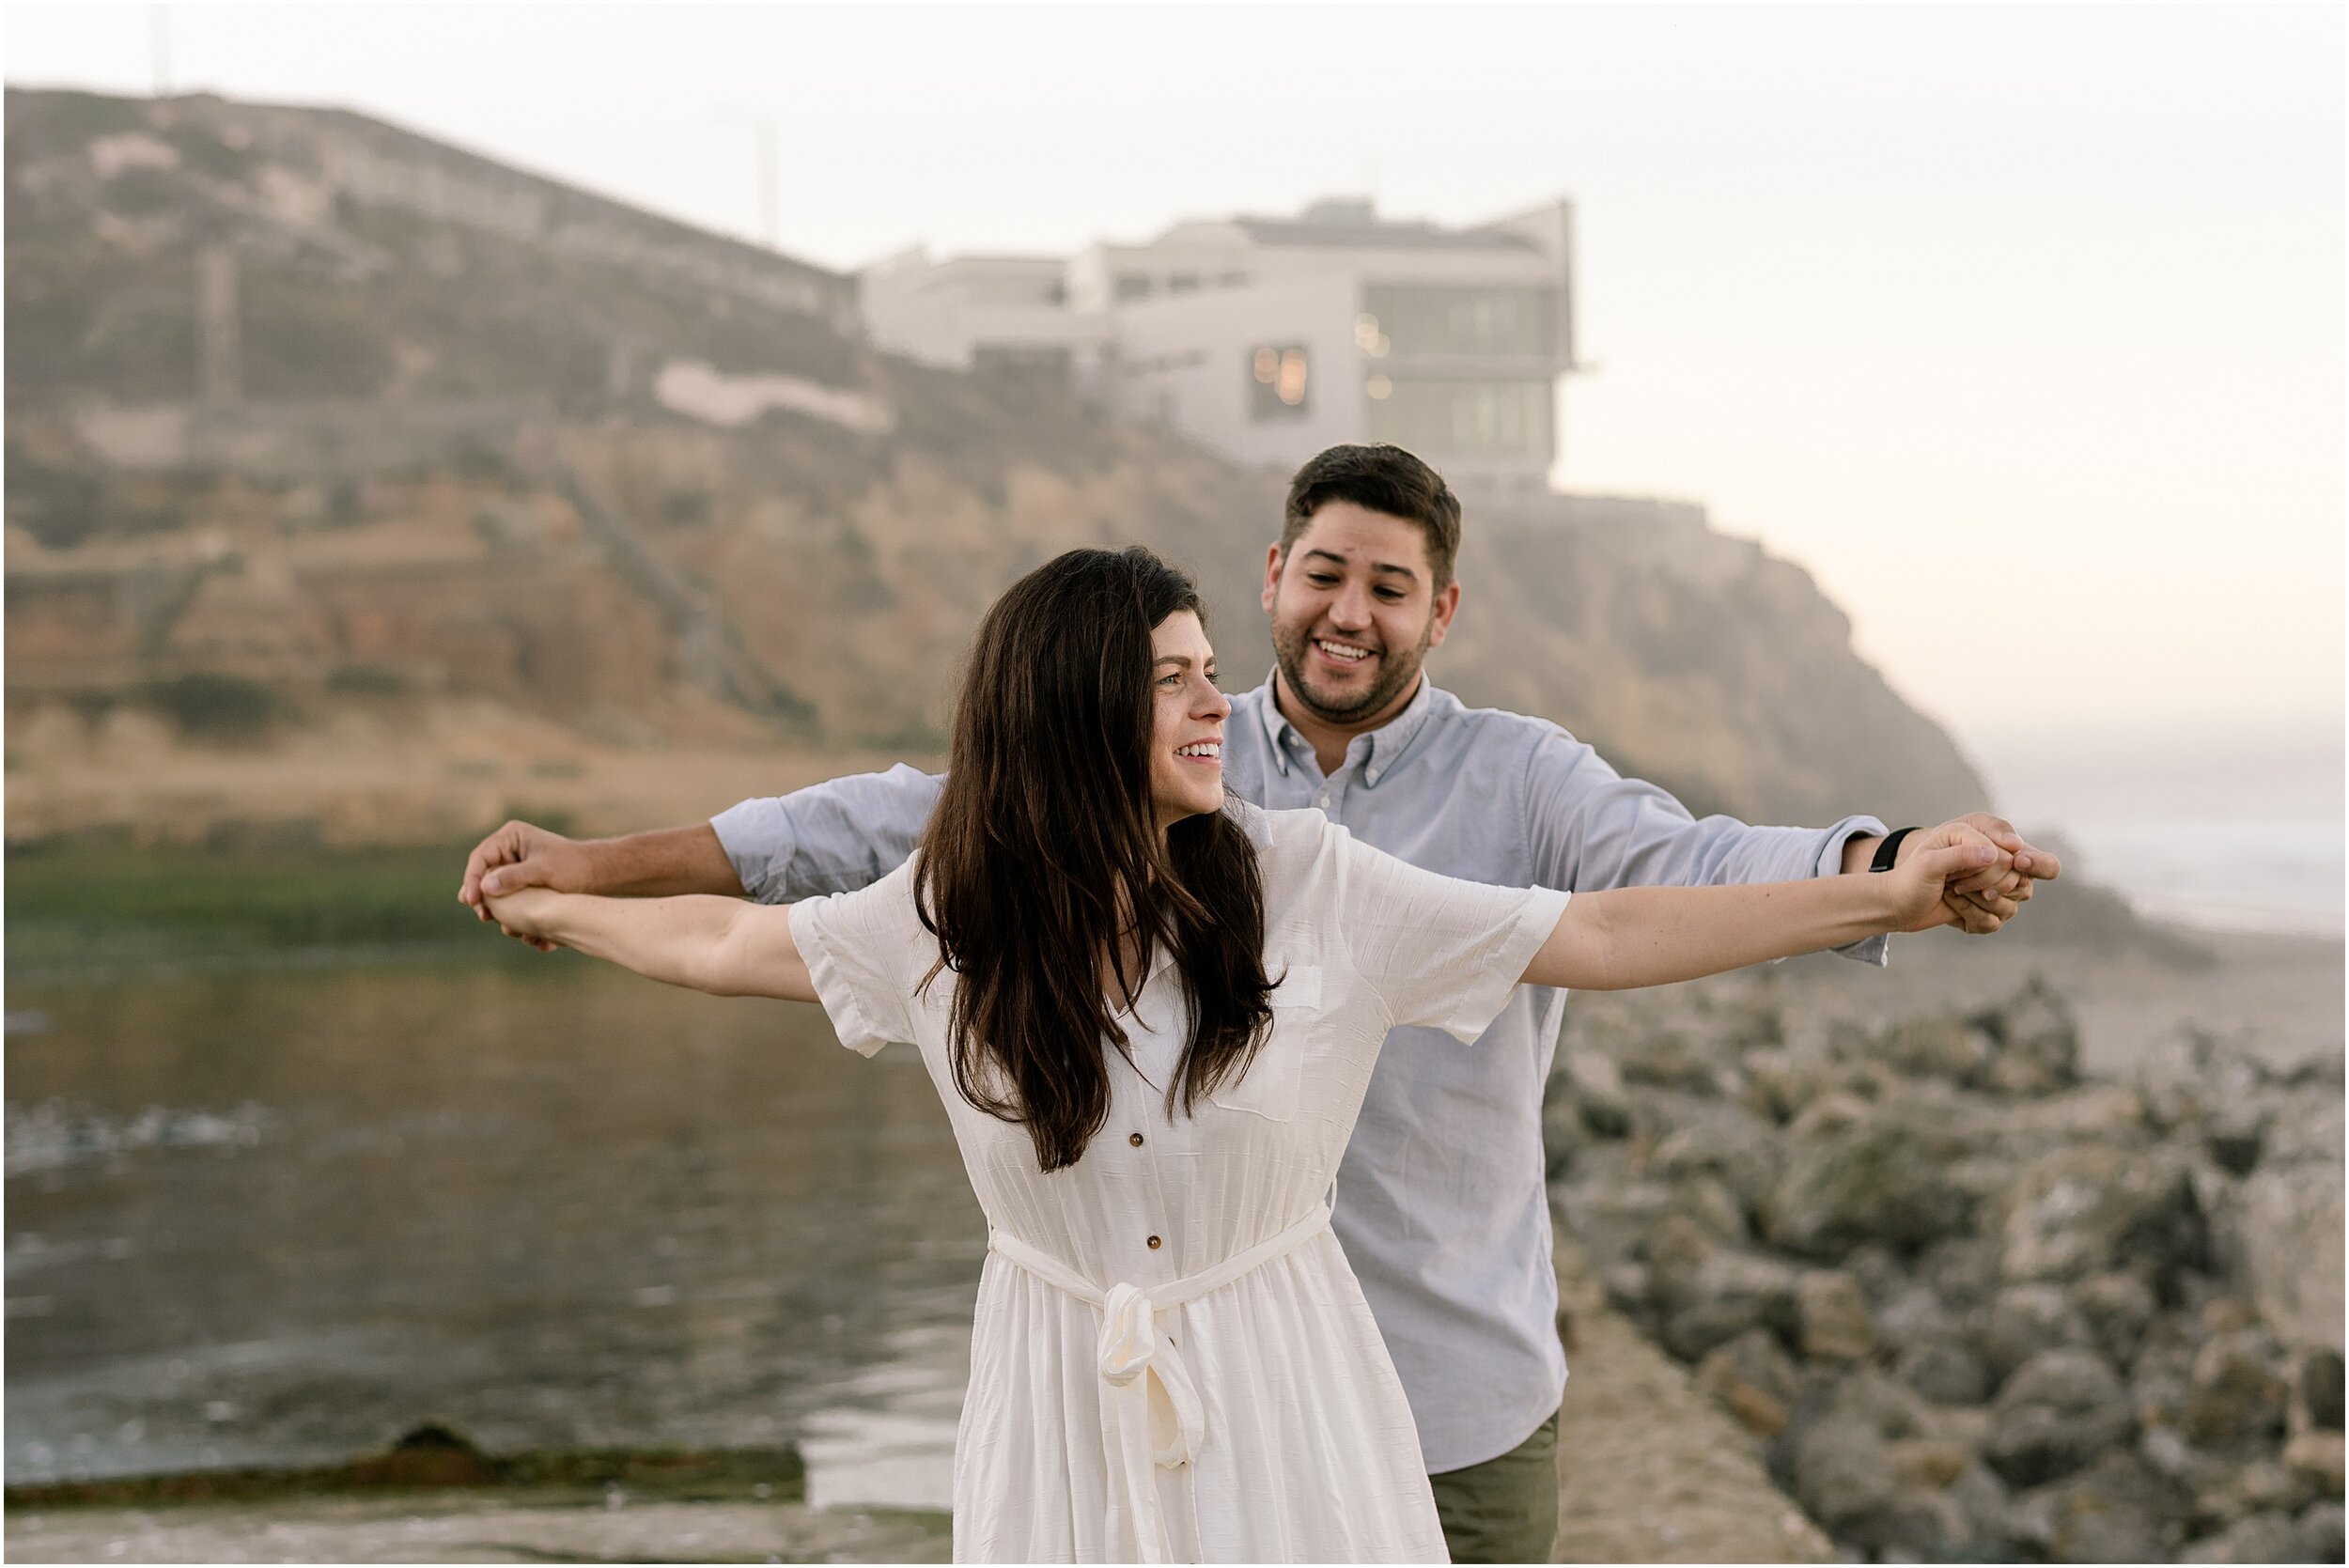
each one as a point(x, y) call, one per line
point(1591, 828)
point(655, 864)
point(834, 837)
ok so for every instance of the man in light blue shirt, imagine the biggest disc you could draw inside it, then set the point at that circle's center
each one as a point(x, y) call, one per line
point(1440, 1200)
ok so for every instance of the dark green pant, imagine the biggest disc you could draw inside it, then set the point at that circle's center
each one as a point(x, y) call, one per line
point(1504, 1510)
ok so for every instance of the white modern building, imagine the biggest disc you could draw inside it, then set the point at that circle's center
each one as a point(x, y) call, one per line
point(1268, 339)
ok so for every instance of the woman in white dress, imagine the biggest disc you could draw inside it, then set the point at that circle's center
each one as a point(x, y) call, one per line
point(1152, 1015)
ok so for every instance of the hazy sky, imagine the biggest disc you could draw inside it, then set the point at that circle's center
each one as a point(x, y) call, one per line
point(2022, 329)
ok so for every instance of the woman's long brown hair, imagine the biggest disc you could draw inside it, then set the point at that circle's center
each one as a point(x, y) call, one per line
point(1044, 847)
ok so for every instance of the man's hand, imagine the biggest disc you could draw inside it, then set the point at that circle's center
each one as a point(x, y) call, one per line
point(521, 855)
point(1920, 881)
point(1980, 903)
point(655, 864)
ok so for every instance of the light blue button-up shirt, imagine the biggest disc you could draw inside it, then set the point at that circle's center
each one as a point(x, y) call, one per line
point(1441, 1202)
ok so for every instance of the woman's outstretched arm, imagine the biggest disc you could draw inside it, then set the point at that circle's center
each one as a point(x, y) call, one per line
point(703, 942)
point(1624, 937)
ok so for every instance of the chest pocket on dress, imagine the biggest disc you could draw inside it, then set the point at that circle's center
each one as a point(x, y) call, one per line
point(1269, 1087)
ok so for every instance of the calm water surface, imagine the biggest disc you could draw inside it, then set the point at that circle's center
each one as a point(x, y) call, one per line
point(281, 1220)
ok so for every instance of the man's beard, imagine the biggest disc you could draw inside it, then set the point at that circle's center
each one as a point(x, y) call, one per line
point(1396, 675)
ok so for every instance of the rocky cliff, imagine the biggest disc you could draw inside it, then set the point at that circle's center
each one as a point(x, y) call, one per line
point(309, 417)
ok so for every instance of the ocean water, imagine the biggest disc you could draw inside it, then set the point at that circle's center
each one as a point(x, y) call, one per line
point(2274, 874)
point(2239, 831)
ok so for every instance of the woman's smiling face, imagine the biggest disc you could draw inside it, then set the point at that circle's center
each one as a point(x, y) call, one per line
point(1187, 736)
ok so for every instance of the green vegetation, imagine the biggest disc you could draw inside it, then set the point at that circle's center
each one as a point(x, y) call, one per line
point(366, 680)
point(87, 908)
point(208, 705)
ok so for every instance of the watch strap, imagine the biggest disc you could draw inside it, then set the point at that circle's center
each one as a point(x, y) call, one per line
point(1889, 849)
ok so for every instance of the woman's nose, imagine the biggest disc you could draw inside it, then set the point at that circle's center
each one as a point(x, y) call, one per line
point(1215, 704)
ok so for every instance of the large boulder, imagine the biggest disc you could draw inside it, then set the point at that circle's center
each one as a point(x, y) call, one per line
point(2116, 1510)
point(2288, 1225)
point(1940, 1044)
point(1832, 1316)
point(2037, 1044)
point(2120, 1307)
point(1725, 1142)
point(2056, 1413)
point(1945, 1371)
point(1705, 1295)
point(1753, 1379)
point(2258, 1538)
point(2317, 1387)
point(2023, 1320)
point(2320, 1532)
point(2239, 1393)
point(2078, 1211)
point(1845, 1464)
point(1882, 1177)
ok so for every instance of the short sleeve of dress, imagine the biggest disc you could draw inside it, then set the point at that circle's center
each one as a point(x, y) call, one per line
point(1441, 952)
point(866, 951)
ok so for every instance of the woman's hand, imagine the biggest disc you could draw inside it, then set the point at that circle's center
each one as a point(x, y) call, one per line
point(527, 913)
point(1954, 852)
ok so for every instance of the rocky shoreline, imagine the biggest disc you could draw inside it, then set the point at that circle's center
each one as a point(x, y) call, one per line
point(1967, 1303)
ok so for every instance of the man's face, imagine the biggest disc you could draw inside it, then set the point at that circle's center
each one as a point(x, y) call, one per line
point(1354, 611)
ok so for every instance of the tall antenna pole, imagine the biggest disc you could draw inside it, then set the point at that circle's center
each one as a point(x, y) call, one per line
point(159, 30)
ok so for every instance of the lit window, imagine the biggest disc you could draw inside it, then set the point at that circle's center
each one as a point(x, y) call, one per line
point(1280, 381)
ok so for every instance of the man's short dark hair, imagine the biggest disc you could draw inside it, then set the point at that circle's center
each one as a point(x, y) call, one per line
point(1382, 479)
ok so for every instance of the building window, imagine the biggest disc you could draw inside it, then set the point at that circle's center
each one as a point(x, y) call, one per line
point(1182, 283)
point(1231, 280)
point(1419, 319)
point(1463, 419)
point(1021, 361)
point(1278, 383)
point(1134, 285)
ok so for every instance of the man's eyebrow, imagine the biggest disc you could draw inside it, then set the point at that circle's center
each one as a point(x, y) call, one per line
point(1374, 566)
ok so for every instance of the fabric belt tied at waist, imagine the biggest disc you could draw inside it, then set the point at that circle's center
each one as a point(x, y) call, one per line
point(1150, 1411)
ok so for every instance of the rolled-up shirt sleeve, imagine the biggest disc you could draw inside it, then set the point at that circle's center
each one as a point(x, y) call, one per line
point(836, 836)
point(1591, 828)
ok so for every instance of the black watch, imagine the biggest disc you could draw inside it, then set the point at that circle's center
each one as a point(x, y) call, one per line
point(1889, 849)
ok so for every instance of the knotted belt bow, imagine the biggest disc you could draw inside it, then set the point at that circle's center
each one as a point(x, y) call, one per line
point(1151, 1416)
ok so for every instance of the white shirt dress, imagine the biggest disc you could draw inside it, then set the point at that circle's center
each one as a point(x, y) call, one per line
point(1171, 1359)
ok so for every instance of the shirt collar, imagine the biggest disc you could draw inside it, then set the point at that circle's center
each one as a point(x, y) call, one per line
point(1386, 742)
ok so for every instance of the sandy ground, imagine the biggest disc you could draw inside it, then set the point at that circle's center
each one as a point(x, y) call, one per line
point(1649, 1469)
